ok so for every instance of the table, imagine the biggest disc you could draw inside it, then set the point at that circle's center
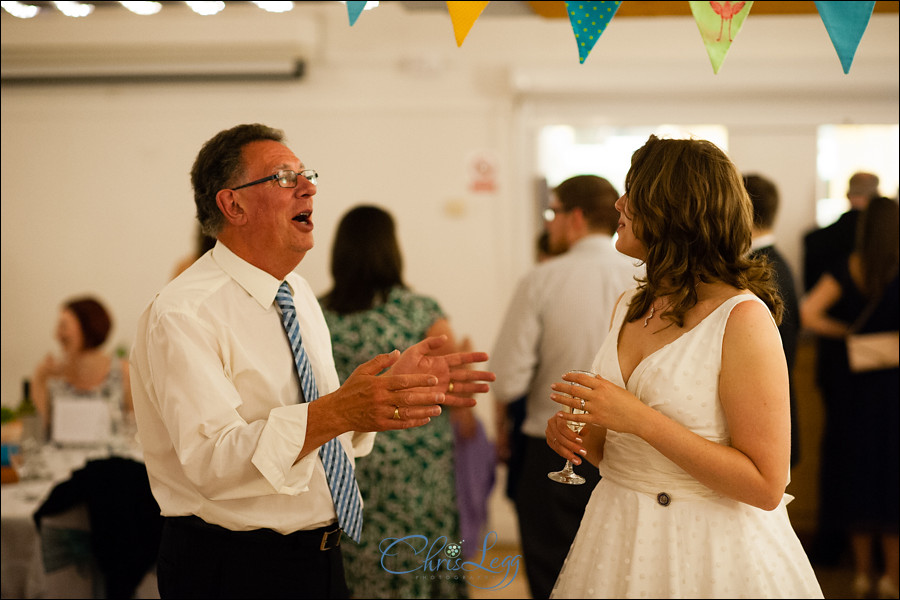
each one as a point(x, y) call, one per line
point(42, 469)
point(21, 569)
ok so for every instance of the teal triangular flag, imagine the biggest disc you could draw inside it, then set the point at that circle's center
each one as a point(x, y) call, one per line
point(845, 22)
point(589, 19)
point(353, 10)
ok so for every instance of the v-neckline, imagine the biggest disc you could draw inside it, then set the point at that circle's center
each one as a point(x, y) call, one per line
point(667, 345)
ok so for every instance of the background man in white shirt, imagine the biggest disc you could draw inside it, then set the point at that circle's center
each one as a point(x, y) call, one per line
point(556, 322)
point(231, 448)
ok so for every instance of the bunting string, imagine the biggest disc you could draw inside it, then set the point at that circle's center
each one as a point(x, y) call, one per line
point(718, 22)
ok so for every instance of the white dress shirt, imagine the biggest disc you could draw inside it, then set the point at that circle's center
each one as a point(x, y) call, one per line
point(556, 322)
point(216, 399)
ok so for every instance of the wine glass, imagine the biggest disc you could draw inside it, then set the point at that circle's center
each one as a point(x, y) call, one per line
point(567, 474)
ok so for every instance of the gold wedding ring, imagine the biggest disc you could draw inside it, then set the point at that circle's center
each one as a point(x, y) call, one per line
point(396, 413)
point(450, 388)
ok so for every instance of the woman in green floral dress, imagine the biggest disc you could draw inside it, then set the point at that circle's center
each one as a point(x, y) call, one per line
point(410, 521)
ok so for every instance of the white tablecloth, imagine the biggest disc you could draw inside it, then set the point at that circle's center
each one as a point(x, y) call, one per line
point(43, 468)
point(21, 570)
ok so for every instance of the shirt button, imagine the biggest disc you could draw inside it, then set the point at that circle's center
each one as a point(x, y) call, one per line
point(663, 499)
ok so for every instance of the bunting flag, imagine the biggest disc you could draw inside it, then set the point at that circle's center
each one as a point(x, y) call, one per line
point(845, 22)
point(719, 24)
point(464, 15)
point(589, 19)
point(354, 9)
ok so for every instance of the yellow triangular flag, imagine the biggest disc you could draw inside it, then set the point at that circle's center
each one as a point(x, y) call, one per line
point(719, 24)
point(464, 15)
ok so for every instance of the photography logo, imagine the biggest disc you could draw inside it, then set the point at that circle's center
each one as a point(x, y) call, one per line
point(418, 556)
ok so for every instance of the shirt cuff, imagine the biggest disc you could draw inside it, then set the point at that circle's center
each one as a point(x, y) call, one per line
point(279, 445)
point(363, 443)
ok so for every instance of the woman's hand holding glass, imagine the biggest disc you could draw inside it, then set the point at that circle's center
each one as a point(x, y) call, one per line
point(564, 431)
point(607, 407)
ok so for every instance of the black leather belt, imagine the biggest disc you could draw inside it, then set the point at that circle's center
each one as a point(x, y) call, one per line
point(323, 538)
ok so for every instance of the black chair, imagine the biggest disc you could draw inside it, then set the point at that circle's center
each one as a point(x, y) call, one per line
point(124, 518)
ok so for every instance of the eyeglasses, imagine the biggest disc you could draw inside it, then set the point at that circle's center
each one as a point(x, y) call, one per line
point(285, 178)
point(550, 213)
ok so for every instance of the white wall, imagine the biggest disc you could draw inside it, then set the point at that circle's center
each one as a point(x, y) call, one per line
point(95, 189)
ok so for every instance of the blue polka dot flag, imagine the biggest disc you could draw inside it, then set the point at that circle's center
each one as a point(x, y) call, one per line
point(589, 20)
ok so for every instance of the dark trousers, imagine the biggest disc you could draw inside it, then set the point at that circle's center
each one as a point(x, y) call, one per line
point(549, 513)
point(199, 560)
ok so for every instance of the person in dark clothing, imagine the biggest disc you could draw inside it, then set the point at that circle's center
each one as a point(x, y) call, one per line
point(860, 294)
point(823, 248)
point(765, 198)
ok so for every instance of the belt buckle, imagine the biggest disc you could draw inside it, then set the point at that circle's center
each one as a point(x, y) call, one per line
point(331, 539)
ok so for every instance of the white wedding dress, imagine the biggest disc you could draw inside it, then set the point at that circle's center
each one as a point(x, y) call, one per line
point(651, 530)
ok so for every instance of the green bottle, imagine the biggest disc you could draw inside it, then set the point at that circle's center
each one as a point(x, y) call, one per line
point(26, 406)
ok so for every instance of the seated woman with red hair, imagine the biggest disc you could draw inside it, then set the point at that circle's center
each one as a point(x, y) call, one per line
point(85, 374)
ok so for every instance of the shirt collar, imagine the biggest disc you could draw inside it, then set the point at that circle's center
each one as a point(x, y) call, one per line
point(762, 241)
point(592, 240)
point(256, 282)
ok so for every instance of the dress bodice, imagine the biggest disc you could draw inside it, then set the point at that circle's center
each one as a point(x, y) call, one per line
point(111, 390)
point(680, 380)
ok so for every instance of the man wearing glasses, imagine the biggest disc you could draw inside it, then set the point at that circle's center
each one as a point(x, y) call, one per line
point(248, 438)
point(557, 320)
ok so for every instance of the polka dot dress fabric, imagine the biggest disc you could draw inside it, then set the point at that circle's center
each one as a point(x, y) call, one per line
point(650, 530)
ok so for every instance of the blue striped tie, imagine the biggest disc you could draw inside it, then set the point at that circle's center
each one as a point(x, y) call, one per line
point(338, 470)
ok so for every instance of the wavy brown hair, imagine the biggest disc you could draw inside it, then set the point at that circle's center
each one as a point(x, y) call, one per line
point(691, 211)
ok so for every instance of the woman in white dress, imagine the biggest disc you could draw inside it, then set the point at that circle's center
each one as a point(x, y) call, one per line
point(688, 419)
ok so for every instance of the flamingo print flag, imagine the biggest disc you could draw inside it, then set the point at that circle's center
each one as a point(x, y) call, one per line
point(719, 24)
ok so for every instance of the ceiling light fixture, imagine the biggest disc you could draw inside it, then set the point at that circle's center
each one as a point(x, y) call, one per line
point(142, 8)
point(206, 8)
point(22, 11)
point(74, 9)
point(275, 7)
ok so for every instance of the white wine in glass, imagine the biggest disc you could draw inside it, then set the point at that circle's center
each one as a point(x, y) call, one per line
point(568, 475)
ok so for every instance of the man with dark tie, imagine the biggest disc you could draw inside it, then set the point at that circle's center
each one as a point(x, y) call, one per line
point(248, 437)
